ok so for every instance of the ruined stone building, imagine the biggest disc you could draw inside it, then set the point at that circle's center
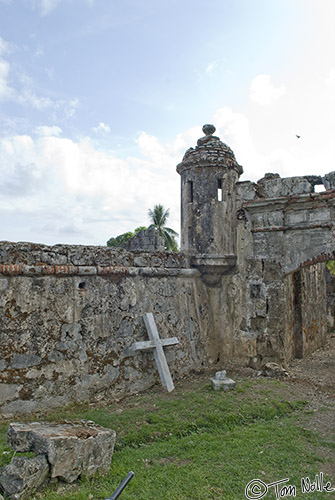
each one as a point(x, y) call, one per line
point(248, 286)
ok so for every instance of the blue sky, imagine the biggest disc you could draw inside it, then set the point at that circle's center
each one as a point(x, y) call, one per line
point(99, 99)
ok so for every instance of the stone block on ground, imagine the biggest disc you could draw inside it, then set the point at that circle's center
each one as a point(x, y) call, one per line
point(71, 448)
point(273, 370)
point(23, 475)
point(221, 382)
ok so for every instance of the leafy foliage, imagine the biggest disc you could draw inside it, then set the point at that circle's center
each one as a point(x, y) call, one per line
point(158, 218)
point(331, 266)
point(122, 238)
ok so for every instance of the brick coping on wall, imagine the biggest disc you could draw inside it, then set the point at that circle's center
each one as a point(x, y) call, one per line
point(68, 270)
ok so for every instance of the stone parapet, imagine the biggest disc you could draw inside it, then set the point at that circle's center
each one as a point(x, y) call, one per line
point(272, 186)
point(62, 258)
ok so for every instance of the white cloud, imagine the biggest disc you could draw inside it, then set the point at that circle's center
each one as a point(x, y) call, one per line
point(75, 226)
point(58, 180)
point(102, 128)
point(211, 67)
point(285, 156)
point(45, 131)
point(263, 92)
point(233, 128)
point(50, 72)
point(216, 64)
point(6, 92)
point(151, 147)
point(28, 97)
point(22, 91)
point(68, 107)
point(331, 77)
point(46, 6)
point(73, 192)
point(39, 51)
point(171, 153)
point(5, 47)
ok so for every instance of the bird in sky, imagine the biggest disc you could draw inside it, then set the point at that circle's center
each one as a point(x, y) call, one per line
point(298, 136)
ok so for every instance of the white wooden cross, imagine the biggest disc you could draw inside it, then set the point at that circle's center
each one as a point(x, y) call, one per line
point(157, 345)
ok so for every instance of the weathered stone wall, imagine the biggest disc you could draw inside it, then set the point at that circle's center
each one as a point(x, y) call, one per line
point(70, 313)
point(148, 240)
point(330, 285)
point(284, 230)
point(314, 307)
point(295, 230)
point(306, 311)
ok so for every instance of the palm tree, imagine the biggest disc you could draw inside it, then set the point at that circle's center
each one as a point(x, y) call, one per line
point(158, 217)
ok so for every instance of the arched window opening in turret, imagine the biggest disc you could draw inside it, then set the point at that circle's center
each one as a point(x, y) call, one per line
point(220, 190)
point(190, 191)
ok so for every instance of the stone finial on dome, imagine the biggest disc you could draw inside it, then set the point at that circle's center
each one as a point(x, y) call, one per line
point(209, 152)
point(208, 130)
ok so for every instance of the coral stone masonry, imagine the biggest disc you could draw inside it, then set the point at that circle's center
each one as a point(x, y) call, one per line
point(248, 286)
point(63, 451)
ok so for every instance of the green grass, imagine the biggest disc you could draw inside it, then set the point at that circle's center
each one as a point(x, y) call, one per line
point(198, 445)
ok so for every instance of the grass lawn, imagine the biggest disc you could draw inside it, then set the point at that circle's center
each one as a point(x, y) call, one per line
point(199, 444)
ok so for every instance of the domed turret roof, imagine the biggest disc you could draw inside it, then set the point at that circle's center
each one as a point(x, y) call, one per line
point(210, 151)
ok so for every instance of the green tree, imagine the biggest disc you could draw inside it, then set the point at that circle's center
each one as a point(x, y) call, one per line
point(119, 240)
point(331, 266)
point(158, 218)
point(122, 238)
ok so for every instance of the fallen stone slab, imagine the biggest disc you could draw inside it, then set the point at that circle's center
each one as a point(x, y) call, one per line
point(273, 370)
point(71, 448)
point(22, 476)
point(221, 382)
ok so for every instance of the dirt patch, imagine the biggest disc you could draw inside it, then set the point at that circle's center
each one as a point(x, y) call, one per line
point(311, 379)
point(318, 369)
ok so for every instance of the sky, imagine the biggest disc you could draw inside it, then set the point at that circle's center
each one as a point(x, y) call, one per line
point(99, 100)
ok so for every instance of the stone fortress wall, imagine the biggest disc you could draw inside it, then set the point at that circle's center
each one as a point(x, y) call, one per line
point(247, 287)
point(69, 314)
point(287, 230)
point(330, 287)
